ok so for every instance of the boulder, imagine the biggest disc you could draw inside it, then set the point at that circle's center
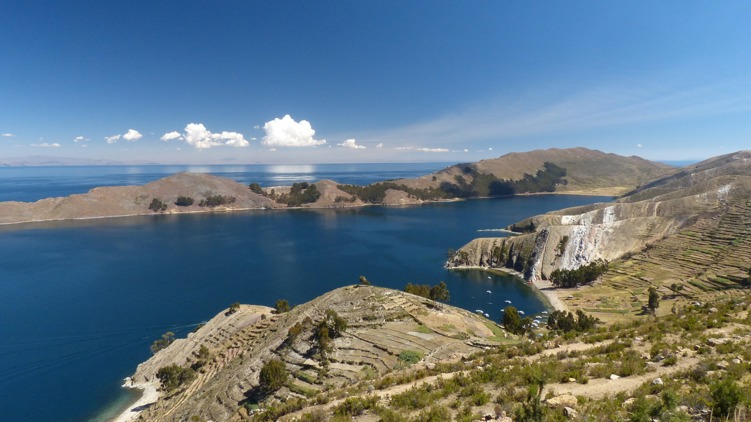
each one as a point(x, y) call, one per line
point(564, 400)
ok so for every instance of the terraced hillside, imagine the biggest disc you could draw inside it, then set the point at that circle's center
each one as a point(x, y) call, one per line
point(692, 364)
point(689, 231)
point(385, 330)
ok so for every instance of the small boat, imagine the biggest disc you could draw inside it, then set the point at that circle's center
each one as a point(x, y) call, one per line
point(507, 301)
point(479, 311)
point(544, 312)
point(489, 291)
point(521, 312)
point(486, 315)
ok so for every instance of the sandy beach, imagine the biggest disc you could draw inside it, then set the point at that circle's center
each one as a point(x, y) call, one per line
point(149, 396)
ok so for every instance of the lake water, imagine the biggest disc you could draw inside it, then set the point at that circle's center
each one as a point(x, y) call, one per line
point(80, 302)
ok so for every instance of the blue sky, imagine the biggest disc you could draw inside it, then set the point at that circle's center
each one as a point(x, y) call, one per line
point(386, 81)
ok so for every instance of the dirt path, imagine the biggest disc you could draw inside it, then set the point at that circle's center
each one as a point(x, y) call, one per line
point(599, 388)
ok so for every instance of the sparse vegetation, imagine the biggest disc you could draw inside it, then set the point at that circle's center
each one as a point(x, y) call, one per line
point(216, 201)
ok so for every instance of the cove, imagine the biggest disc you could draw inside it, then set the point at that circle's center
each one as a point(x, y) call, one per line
point(81, 301)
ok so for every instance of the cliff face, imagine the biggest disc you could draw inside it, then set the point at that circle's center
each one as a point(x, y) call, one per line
point(381, 324)
point(573, 237)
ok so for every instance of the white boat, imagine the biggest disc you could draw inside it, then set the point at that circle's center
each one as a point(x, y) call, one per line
point(479, 311)
point(489, 291)
point(521, 312)
point(487, 316)
point(507, 301)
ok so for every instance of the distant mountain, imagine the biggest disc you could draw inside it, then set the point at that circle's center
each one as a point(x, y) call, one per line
point(573, 170)
point(43, 160)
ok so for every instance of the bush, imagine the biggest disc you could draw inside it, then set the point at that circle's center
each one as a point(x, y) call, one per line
point(409, 357)
point(726, 395)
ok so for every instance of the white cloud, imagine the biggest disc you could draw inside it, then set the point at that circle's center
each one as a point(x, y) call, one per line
point(132, 135)
point(171, 136)
point(638, 145)
point(80, 139)
point(422, 149)
point(352, 144)
point(7, 135)
point(198, 136)
point(46, 145)
point(112, 139)
point(286, 132)
point(380, 145)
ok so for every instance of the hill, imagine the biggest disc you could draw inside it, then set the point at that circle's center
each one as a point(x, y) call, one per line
point(384, 330)
point(691, 229)
point(574, 170)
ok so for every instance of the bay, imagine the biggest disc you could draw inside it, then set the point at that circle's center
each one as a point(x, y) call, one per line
point(80, 302)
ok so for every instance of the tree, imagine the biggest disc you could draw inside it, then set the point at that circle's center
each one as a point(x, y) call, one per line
point(174, 375)
point(162, 343)
point(282, 306)
point(440, 292)
point(273, 375)
point(233, 308)
point(184, 201)
point(654, 299)
point(157, 205)
point(256, 188)
point(511, 319)
point(364, 281)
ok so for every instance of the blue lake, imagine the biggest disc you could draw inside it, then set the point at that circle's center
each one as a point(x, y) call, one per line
point(80, 302)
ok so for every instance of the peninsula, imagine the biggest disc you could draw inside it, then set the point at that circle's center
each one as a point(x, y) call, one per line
point(567, 171)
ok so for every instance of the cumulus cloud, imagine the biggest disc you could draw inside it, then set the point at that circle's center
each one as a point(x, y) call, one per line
point(351, 143)
point(198, 136)
point(132, 135)
point(46, 145)
point(80, 139)
point(286, 132)
point(171, 136)
point(112, 139)
point(7, 135)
